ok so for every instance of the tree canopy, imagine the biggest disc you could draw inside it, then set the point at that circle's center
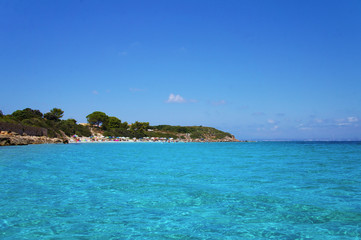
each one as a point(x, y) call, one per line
point(112, 122)
point(107, 125)
point(54, 114)
point(27, 113)
point(51, 121)
point(139, 126)
point(97, 118)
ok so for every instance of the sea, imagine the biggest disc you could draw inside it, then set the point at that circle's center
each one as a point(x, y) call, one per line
point(254, 190)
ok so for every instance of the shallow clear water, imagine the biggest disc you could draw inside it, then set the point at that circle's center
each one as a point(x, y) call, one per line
point(276, 190)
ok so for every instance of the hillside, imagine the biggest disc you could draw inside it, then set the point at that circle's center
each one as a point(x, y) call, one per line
point(29, 122)
point(191, 133)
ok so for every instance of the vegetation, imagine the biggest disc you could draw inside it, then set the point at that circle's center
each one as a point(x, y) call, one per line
point(139, 127)
point(97, 118)
point(107, 125)
point(118, 132)
point(114, 127)
point(50, 121)
point(27, 113)
point(70, 127)
point(54, 114)
point(194, 131)
point(114, 122)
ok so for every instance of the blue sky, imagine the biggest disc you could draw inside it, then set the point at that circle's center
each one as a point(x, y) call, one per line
point(258, 69)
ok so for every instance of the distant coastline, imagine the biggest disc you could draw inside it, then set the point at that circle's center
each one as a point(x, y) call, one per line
point(13, 138)
point(29, 126)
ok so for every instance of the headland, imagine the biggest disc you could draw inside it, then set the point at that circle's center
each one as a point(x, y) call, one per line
point(29, 126)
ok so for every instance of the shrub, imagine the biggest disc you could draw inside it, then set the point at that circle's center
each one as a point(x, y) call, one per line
point(27, 113)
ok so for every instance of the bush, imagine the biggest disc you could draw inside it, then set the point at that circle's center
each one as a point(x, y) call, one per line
point(195, 131)
point(8, 118)
point(195, 135)
point(54, 114)
point(161, 135)
point(118, 132)
point(20, 129)
point(69, 127)
point(27, 113)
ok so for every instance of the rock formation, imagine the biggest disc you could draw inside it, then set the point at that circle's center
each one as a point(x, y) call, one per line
point(11, 138)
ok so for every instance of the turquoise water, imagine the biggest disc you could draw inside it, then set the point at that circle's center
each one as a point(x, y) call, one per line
point(275, 190)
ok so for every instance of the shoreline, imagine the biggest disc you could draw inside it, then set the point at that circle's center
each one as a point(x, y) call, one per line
point(10, 138)
point(144, 140)
point(130, 142)
point(14, 139)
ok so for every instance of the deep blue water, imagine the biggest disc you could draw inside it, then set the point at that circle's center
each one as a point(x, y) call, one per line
point(265, 190)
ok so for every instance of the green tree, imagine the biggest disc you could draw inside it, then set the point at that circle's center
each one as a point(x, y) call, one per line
point(97, 118)
point(26, 113)
point(72, 120)
point(112, 122)
point(69, 127)
point(1, 113)
point(54, 114)
point(124, 126)
point(139, 126)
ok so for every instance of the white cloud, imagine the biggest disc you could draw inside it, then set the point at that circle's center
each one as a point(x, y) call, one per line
point(343, 124)
point(352, 119)
point(218, 103)
point(175, 98)
point(95, 92)
point(302, 126)
point(346, 121)
point(275, 127)
point(271, 121)
point(318, 120)
point(305, 128)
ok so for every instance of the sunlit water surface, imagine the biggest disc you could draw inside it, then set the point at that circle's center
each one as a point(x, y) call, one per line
point(276, 190)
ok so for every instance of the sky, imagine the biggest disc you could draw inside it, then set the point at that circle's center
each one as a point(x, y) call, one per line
point(261, 70)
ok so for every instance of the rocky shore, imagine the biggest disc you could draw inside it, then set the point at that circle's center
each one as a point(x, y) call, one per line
point(208, 138)
point(9, 138)
point(225, 139)
point(12, 138)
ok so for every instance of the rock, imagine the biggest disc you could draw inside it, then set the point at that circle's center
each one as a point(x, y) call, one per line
point(8, 140)
point(57, 140)
point(18, 141)
point(4, 141)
